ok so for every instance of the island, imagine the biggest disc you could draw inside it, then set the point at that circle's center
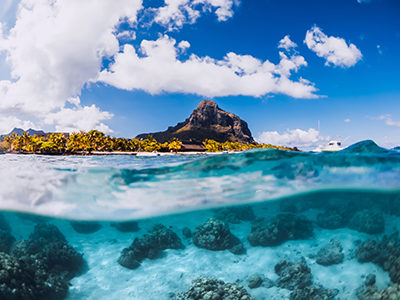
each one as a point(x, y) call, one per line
point(207, 129)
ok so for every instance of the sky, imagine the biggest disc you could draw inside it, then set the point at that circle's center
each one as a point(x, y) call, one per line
point(127, 67)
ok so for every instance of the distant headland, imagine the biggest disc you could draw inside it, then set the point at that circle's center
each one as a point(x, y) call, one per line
point(208, 129)
point(207, 121)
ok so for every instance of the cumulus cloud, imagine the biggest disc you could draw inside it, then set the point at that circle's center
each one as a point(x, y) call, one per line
point(287, 44)
point(347, 121)
point(159, 70)
point(334, 49)
point(388, 120)
point(55, 48)
point(293, 138)
point(175, 13)
point(79, 118)
point(127, 35)
point(9, 123)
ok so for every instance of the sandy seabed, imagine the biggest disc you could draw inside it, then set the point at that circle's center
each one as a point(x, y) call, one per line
point(173, 272)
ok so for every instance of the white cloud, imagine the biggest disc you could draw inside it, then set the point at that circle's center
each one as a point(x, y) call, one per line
point(388, 120)
point(79, 118)
point(334, 49)
point(293, 138)
point(160, 70)
point(175, 13)
point(55, 48)
point(347, 121)
point(9, 123)
point(287, 44)
point(379, 49)
point(363, 1)
point(127, 35)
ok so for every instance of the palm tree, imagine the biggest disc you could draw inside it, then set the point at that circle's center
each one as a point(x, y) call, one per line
point(150, 144)
point(76, 141)
point(174, 145)
point(18, 143)
point(34, 144)
point(212, 146)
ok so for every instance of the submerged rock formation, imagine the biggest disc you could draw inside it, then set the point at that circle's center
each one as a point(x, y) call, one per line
point(297, 278)
point(331, 254)
point(369, 291)
point(6, 241)
point(212, 288)
point(313, 293)
point(235, 215)
point(369, 221)
point(215, 235)
point(385, 253)
point(40, 267)
point(86, 227)
point(148, 246)
point(207, 121)
point(293, 275)
point(128, 226)
point(279, 229)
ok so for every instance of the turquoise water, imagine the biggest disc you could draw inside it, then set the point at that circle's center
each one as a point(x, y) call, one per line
point(89, 227)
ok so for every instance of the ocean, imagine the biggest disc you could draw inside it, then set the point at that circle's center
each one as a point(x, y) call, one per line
point(260, 224)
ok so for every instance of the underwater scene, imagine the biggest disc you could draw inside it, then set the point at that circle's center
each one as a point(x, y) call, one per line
point(260, 224)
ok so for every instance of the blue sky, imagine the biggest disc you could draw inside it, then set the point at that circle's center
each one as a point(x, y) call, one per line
point(127, 67)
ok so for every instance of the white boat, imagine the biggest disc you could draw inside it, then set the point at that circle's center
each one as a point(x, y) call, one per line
point(332, 146)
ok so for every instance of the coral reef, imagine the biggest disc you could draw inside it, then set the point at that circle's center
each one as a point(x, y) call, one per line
point(385, 253)
point(369, 221)
point(6, 241)
point(369, 291)
point(86, 227)
point(235, 215)
point(313, 293)
point(187, 233)
point(279, 229)
point(130, 226)
point(293, 275)
point(331, 254)
point(214, 235)
point(213, 289)
point(40, 267)
point(297, 278)
point(255, 281)
point(148, 246)
point(330, 219)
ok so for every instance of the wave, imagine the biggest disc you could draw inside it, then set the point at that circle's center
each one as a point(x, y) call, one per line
point(128, 187)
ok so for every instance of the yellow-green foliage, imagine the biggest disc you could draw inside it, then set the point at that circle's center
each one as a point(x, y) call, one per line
point(174, 144)
point(149, 144)
point(214, 146)
point(96, 141)
point(4, 146)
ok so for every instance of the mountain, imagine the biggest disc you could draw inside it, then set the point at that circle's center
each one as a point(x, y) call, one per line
point(19, 131)
point(207, 121)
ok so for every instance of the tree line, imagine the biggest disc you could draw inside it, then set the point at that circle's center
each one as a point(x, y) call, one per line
point(94, 140)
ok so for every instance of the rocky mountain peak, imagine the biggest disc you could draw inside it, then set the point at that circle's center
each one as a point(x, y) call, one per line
point(208, 121)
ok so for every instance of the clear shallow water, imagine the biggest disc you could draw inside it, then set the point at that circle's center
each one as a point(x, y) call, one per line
point(350, 196)
point(129, 187)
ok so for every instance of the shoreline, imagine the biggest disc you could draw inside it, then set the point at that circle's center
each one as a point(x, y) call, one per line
point(143, 154)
